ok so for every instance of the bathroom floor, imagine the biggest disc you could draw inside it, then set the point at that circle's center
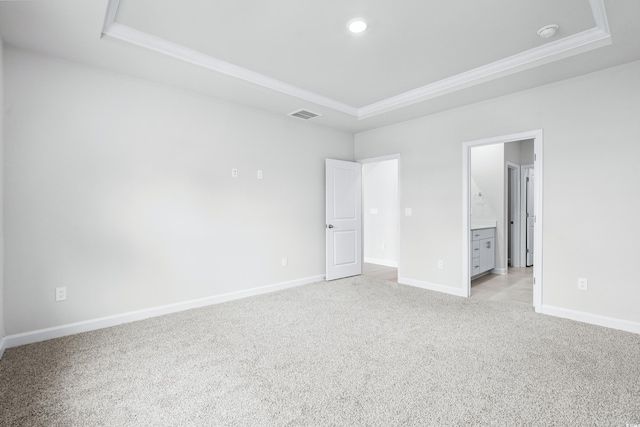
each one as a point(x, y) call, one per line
point(516, 286)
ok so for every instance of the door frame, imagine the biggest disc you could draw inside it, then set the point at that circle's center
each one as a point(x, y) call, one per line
point(397, 157)
point(523, 214)
point(516, 249)
point(537, 136)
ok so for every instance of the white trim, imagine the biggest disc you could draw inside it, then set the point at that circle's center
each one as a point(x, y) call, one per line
point(110, 15)
point(499, 271)
point(385, 262)
point(142, 39)
point(515, 236)
point(105, 322)
point(593, 319)
point(568, 46)
point(3, 346)
point(537, 136)
point(554, 51)
point(523, 214)
point(432, 286)
point(600, 15)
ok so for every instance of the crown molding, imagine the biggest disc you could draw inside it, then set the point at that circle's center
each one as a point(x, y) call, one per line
point(142, 39)
point(600, 15)
point(549, 52)
point(568, 46)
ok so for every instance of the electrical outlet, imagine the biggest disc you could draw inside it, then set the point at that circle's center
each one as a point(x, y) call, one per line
point(61, 293)
point(234, 173)
point(582, 284)
point(259, 174)
point(285, 262)
point(440, 264)
point(382, 245)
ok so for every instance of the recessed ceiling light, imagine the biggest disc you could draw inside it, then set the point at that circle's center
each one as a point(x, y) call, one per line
point(547, 31)
point(357, 25)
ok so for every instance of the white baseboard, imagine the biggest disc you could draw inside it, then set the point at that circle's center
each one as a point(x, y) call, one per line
point(384, 262)
point(594, 319)
point(91, 325)
point(432, 286)
point(499, 271)
point(3, 346)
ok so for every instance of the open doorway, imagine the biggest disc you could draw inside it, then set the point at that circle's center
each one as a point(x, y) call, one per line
point(380, 212)
point(495, 217)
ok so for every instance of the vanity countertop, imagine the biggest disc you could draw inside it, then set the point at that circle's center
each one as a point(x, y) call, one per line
point(488, 224)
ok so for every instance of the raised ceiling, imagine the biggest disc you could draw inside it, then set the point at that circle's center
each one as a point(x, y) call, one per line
point(416, 57)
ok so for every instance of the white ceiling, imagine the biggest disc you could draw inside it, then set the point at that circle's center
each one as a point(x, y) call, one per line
point(417, 57)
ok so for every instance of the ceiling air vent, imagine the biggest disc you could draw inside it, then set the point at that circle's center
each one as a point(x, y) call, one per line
point(304, 114)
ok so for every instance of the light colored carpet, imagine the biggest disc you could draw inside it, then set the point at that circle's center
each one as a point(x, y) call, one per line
point(357, 352)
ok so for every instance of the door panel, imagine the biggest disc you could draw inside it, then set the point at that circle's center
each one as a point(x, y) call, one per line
point(343, 219)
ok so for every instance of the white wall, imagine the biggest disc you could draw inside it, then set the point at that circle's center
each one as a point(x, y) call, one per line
point(2, 113)
point(121, 190)
point(526, 152)
point(591, 183)
point(487, 192)
point(380, 192)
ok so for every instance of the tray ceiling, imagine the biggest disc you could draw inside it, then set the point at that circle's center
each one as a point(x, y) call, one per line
point(417, 57)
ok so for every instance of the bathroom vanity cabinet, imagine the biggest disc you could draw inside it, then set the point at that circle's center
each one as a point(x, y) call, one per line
point(483, 251)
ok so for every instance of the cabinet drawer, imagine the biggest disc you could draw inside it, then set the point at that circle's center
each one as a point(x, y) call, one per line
point(475, 266)
point(483, 233)
point(475, 249)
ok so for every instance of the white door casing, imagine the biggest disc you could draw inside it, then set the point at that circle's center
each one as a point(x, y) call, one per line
point(531, 218)
point(343, 225)
point(537, 136)
point(513, 208)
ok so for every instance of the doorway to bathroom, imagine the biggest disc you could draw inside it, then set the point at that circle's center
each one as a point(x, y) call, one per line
point(502, 226)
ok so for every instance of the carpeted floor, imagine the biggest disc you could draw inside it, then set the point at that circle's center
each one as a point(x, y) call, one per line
point(356, 352)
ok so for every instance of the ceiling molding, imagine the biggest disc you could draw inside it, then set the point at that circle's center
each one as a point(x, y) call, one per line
point(139, 38)
point(600, 15)
point(563, 48)
point(549, 52)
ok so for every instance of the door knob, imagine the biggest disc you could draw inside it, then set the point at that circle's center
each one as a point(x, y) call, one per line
point(329, 226)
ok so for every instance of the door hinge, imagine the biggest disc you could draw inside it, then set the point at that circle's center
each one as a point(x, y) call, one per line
point(534, 280)
point(535, 157)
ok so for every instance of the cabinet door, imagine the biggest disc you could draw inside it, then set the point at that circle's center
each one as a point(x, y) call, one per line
point(487, 254)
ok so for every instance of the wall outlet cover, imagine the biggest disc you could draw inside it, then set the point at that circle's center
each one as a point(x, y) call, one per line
point(583, 284)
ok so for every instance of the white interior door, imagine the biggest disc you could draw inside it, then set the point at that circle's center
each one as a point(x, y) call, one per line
point(531, 218)
point(343, 219)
